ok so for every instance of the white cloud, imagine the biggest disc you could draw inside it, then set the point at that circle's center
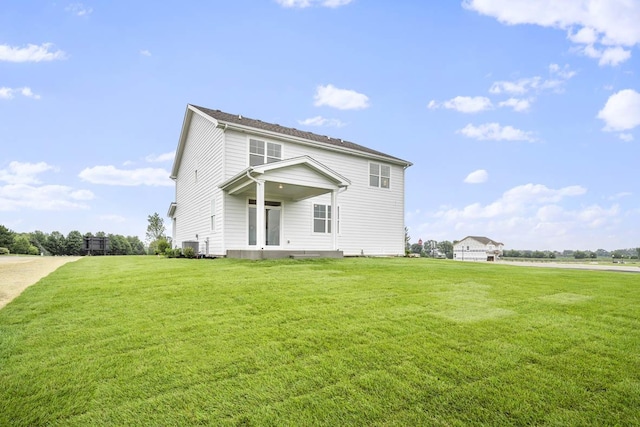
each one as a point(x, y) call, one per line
point(26, 91)
point(614, 56)
point(335, 3)
point(467, 104)
point(627, 137)
point(518, 87)
point(165, 157)
point(145, 52)
point(622, 111)
point(110, 175)
point(294, 3)
point(558, 77)
point(621, 195)
point(514, 201)
point(112, 218)
point(584, 35)
point(496, 132)
point(24, 173)
point(82, 195)
point(321, 121)
point(604, 22)
point(31, 53)
point(44, 198)
point(6, 93)
point(477, 177)
point(342, 99)
point(9, 93)
point(79, 9)
point(22, 190)
point(610, 56)
point(308, 3)
point(518, 105)
point(531, 216)
point(564, 72)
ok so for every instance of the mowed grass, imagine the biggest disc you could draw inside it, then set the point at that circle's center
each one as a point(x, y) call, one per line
point(153, 341)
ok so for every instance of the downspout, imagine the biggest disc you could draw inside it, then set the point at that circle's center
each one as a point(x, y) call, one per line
point(250, 177)
point(336, 217)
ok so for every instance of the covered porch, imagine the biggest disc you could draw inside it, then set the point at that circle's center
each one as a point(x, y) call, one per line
point(269, 188)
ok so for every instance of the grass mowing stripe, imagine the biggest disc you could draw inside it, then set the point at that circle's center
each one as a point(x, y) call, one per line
point(153, 341)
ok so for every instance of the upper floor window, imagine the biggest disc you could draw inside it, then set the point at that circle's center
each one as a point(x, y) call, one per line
point(261, 152)
point(379, 175)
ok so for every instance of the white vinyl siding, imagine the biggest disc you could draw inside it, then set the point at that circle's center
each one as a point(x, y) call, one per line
point(300, 175)
point(365, 211)
point(213, 215)
point(196, 191)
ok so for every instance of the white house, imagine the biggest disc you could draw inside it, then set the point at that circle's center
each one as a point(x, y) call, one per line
point(250, 189)
point(477, 248)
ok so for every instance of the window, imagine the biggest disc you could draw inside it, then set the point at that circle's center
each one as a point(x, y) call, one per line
point(379, 175)
point(322, 219)
point(261, 152)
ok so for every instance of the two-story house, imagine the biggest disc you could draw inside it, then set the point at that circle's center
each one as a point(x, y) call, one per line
point(250, 189)
point(477, 248)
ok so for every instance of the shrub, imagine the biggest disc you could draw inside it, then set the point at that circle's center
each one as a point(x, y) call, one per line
point(189, 252)
point(163, 244)
point(173, 253)
point(4, 251)
point(33, 250)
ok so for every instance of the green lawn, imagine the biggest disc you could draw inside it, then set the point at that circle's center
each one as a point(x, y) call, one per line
point(150, 341)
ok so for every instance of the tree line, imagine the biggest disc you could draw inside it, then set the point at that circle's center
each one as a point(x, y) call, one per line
point(57, 244)
point(444, 249)
point(630, 253)
point(430, 248)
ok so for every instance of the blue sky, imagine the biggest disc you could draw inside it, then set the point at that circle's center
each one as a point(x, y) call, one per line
point(521, 118)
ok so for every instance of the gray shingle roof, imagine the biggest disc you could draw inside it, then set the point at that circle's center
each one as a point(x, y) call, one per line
point(221, 116)
point(483, 240)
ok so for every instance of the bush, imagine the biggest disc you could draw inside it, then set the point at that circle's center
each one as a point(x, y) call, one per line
point(34, 250)
point(172, 253)
point(4, 251)
point(163, 245)
point(189, 252)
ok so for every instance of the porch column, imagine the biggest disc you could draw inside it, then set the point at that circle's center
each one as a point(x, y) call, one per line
point(260, 217)
point(334, 219)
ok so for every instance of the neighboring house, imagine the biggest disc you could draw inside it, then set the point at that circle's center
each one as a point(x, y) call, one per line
point(250, 189)
point(477, 248)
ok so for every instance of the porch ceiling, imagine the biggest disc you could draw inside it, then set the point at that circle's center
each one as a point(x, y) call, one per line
point(281, 191)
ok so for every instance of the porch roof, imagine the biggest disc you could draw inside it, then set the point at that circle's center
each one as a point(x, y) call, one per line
point(281, 182)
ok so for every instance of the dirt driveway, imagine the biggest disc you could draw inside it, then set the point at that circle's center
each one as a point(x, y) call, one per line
point(17, 273)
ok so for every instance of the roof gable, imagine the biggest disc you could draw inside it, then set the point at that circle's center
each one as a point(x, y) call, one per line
point(323, 140)
point(482, 239)
point(274, 175)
